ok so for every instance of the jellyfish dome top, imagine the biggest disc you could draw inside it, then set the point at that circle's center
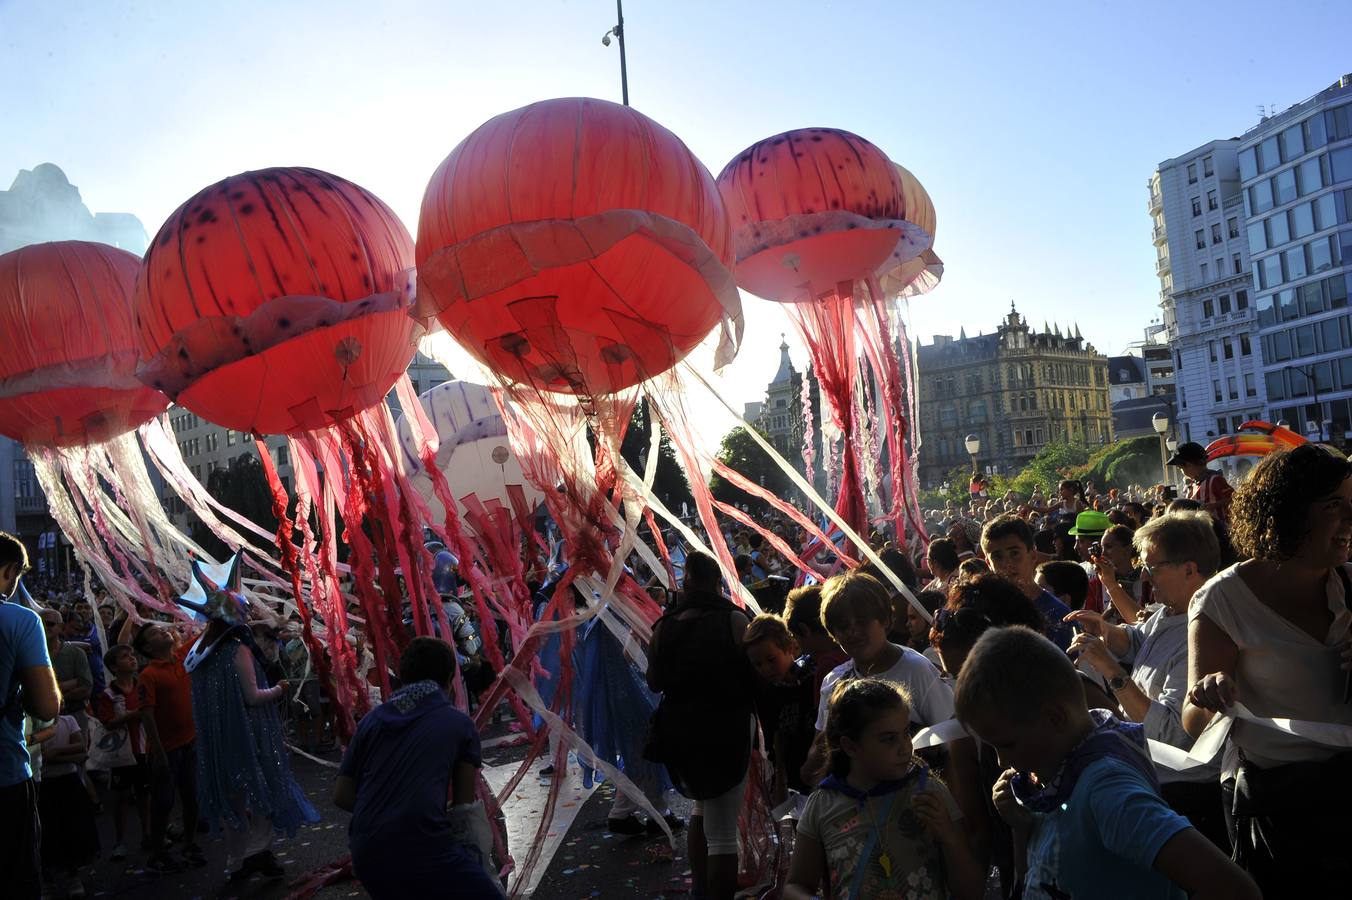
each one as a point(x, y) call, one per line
point(473, 453)
point(576, 246)
point(813, 208)
point(276, 301)
point(68, 377)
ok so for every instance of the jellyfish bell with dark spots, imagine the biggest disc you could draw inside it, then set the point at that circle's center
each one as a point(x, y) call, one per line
point(288, 308)
point(576, 246)
point(820, 218)
point(818, 207)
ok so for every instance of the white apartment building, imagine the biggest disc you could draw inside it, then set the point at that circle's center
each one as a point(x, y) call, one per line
point(1297, 179)
point(1206, 291)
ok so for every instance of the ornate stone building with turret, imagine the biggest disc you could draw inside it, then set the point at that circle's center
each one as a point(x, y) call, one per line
point(1016, 390)
point(781, 415)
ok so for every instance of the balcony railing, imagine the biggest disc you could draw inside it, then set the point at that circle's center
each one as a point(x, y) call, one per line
point(1158, 234)
point(26, 506)
point(1161, 265)
point(1156, 202)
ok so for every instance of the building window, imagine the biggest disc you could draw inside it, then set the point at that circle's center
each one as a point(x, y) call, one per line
point(1241, 299)
point(1192, 173)
point(1244, 347)
point(1225, 303)
point(1204, 272)
point(1229, 350)
point(1206, 167)
point(1220, 424)
point(1236, 264)
point(1232, 387)
point(1216, 389)
point(1211, 200)
point(1232, 227)
point(1196, 206)
point(1216, 234)
point(229, 438)
point(1211, 350)
point(284, 456)
point(1208, 310)
point(1250, 389)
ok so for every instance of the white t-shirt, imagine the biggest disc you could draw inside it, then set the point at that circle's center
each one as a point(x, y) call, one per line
point(931, 698)
point(1282, 671)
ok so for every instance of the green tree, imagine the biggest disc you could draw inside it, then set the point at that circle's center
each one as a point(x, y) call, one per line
point(740, 452)
point(1053, 462)
point(669, 484)
point(242, 486)
point(1134, 461)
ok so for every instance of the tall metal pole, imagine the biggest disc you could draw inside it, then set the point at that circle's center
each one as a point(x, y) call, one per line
point(619, 36)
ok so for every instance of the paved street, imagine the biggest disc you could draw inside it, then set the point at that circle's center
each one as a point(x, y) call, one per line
point(580, 858)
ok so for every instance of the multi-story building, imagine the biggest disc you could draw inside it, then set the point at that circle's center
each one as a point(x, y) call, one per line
point(1206, 291)
point(1141, 384)
point(1016, 390)
point(1296, 169)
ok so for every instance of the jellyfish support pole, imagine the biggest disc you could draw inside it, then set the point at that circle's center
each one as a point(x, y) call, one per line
point(618, 31)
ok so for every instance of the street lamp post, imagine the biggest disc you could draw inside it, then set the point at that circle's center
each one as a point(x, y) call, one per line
point(973, 443)
point(618, 32)
point(1160, 422)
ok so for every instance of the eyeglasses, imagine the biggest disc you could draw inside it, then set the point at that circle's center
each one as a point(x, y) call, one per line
point(967, 618)
point(1152, 569)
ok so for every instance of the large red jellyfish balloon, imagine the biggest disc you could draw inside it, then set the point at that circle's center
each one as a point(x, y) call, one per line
point(817, 214)
point(813, 208)
point(275, 302)
point(575, 245)
point(68, 373)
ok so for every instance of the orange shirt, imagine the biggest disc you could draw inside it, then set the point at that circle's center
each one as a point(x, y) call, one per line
point(166, 687)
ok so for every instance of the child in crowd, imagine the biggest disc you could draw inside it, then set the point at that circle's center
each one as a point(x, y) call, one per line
point(880, 825)
point(123, 745)
point(1066, 581)
point(164, 694)
point(785, 703)
point(70, 836)
point(1079, 790)
point(1008, 545)
point(803, 615)
point(408, 755)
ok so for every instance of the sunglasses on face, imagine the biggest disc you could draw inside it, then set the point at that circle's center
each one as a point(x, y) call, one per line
point(966, 618)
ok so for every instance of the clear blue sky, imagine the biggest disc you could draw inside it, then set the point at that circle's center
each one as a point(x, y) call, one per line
point(1034, 126)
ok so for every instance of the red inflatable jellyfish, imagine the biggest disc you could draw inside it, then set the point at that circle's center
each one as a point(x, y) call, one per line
point(576, 246)
point(817, 214)
point(275, 302)
point(68, 375)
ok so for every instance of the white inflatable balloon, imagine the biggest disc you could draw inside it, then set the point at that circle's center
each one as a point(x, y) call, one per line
point(474, 455)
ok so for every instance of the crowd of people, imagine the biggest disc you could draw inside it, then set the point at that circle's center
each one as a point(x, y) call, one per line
point(1027, 716)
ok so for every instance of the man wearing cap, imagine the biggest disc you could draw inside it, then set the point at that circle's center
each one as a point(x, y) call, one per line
point(1207, 486)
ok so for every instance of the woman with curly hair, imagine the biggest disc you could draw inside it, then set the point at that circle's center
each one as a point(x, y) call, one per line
point(1272, 633)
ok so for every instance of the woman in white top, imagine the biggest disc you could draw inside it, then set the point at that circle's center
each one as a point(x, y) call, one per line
point(1272, 633)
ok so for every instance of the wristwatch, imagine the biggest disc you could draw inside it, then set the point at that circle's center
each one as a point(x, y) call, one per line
point(1117, 683)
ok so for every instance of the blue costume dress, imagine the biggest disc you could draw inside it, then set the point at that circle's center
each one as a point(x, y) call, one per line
point(612, 709)
point(240, 751)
